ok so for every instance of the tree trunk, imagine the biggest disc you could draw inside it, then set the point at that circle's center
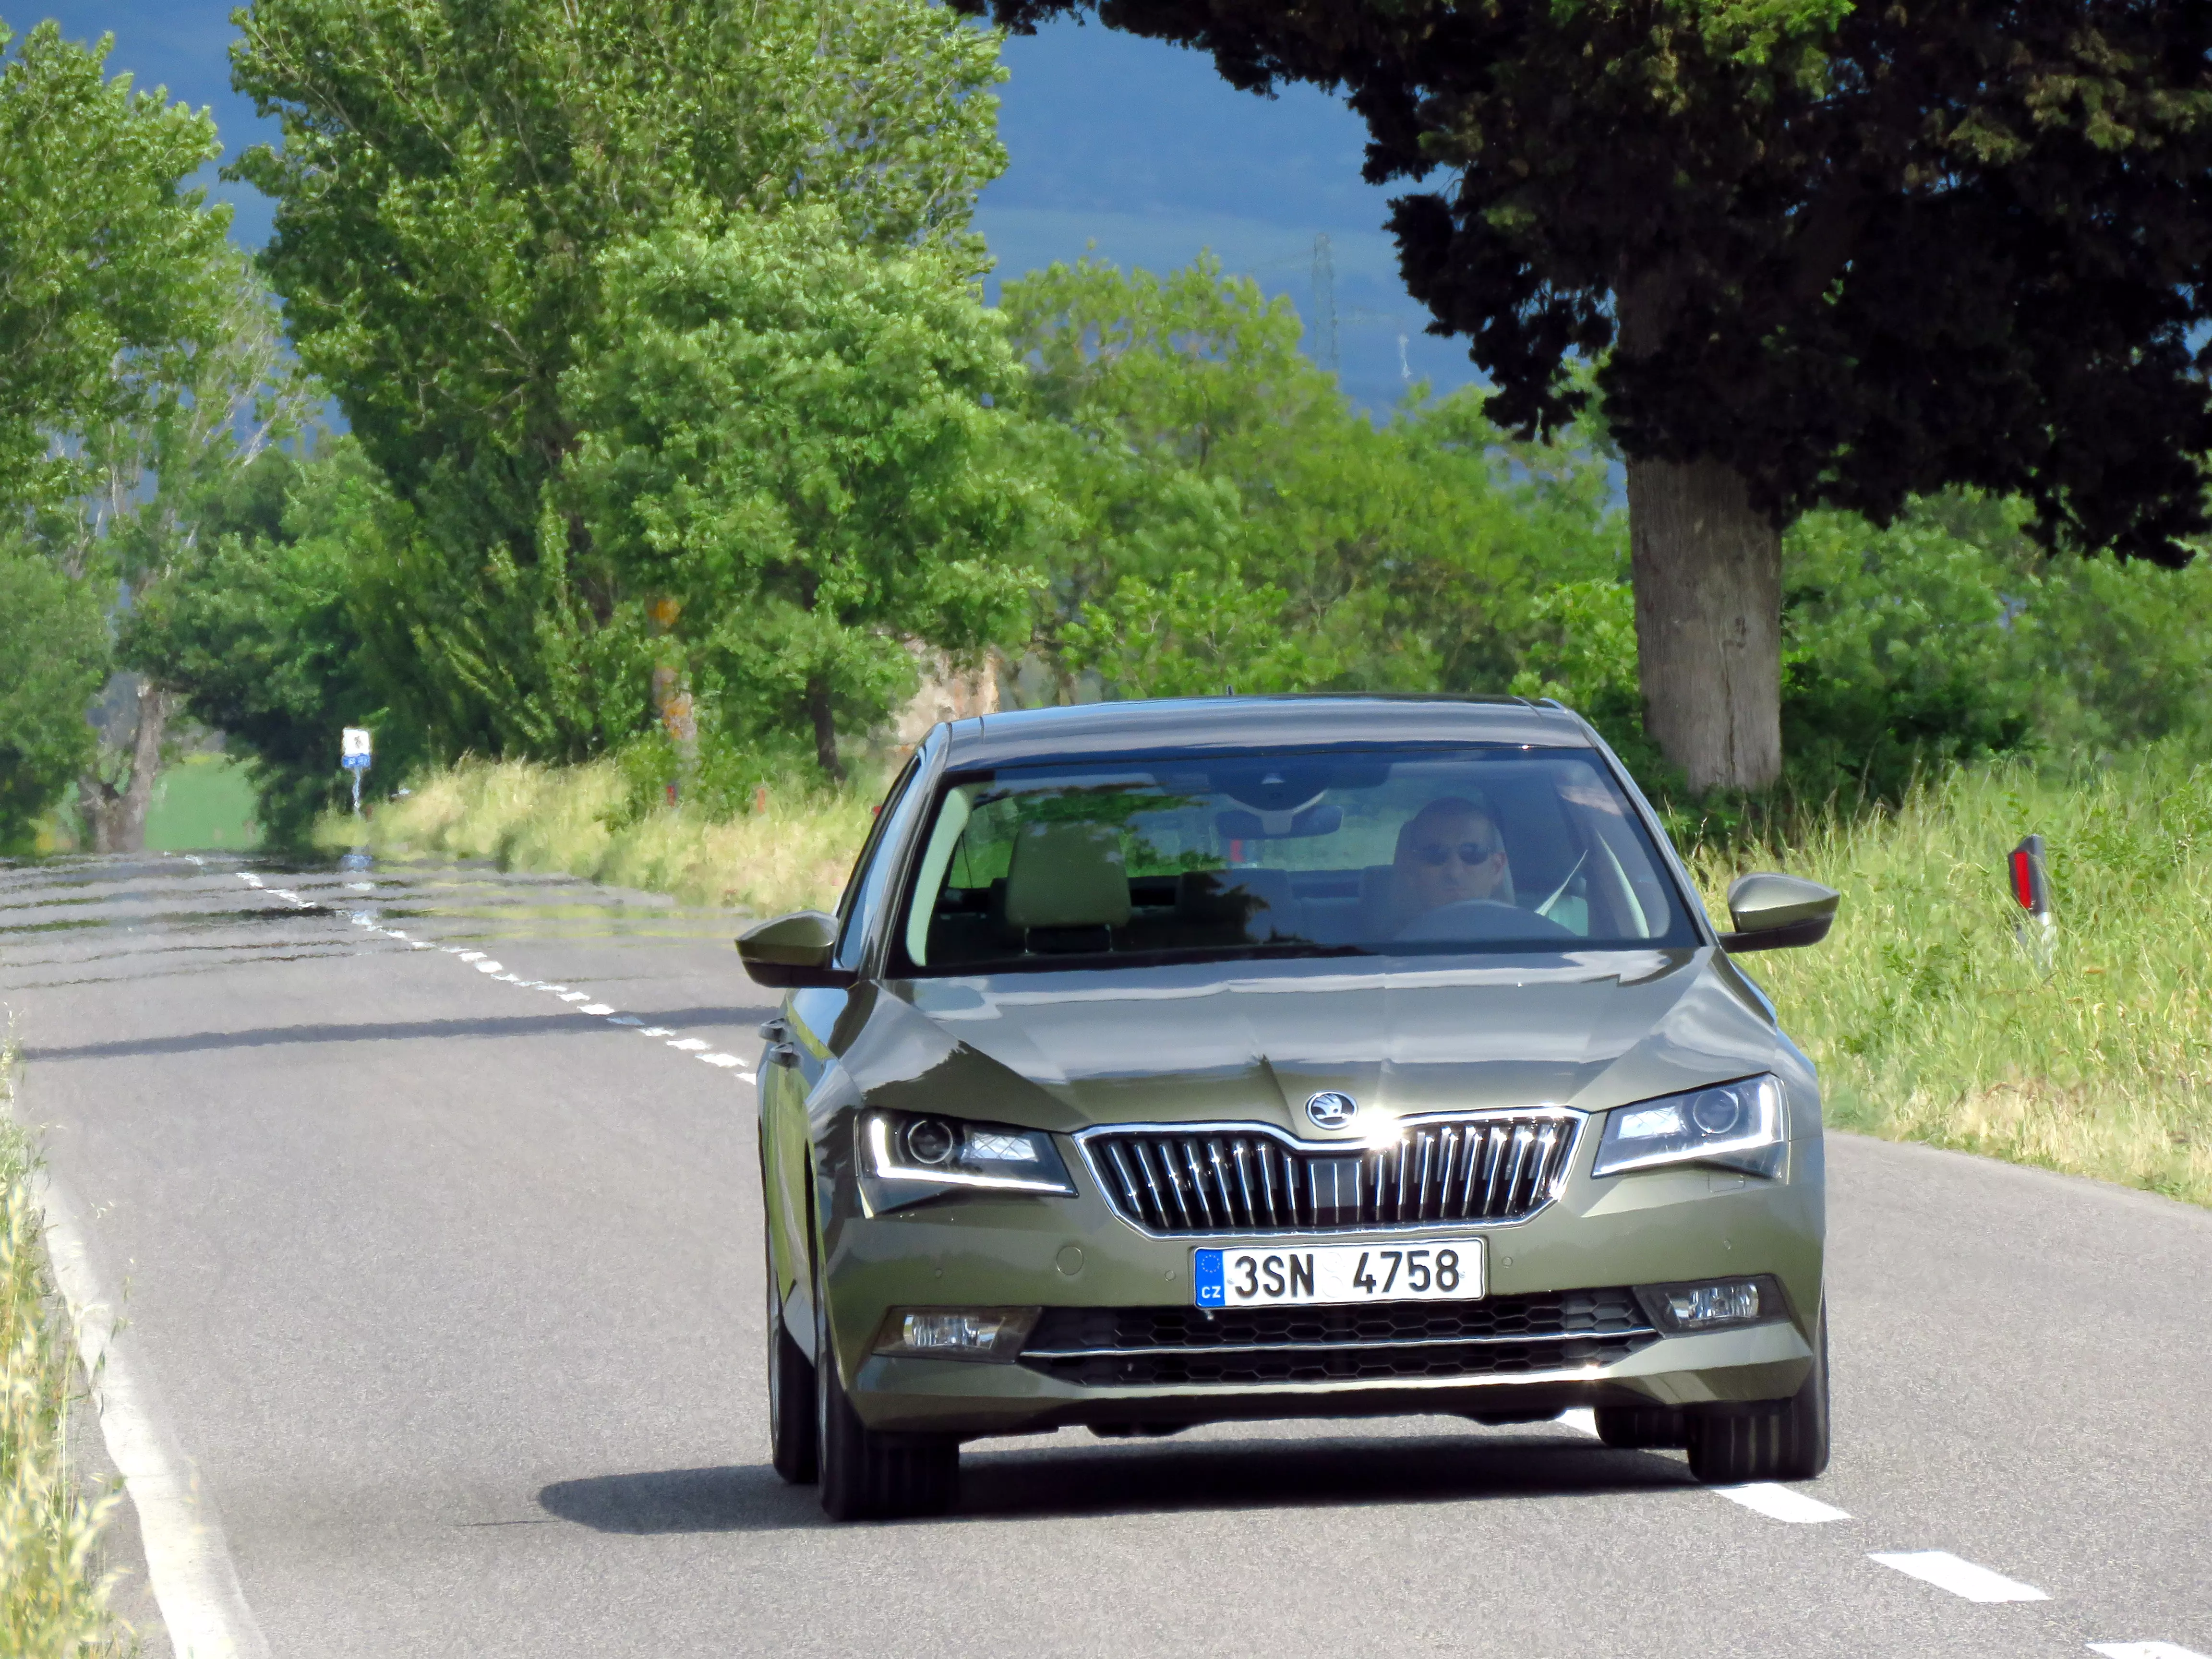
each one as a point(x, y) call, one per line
point(825, 728)
point(117, 816)
point(1708, 575)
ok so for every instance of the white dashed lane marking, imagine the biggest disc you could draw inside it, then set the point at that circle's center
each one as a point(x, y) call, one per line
point(2144, 1650)
point(1948, 1571)
point(482, 961)
point(1779, 1503)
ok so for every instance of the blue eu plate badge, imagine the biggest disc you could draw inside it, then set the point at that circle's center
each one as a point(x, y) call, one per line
point(1206, 1275)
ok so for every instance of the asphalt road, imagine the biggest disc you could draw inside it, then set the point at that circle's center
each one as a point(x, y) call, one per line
point(449, 1291)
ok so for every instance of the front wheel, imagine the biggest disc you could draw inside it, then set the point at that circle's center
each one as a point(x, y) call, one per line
point(790, 1392)
point(867, 1476)
point(1767, 1439)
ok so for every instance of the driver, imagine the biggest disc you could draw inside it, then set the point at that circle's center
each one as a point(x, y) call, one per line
point(1448, 853)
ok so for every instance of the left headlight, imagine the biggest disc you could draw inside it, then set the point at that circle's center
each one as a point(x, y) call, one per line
point(950, 1151)
point(1739, 1126)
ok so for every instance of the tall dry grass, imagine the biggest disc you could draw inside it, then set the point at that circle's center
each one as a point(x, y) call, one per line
point(1930, 1021)
point(53, 1598)
point(582, 820)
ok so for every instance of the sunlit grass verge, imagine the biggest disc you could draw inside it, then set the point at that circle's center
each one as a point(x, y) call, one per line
point(53, 1603)
point(582, 820)
point(1929, 1019)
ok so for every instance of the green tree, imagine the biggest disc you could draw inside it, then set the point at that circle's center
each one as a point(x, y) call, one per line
point(1205, 460)
point(160, 476)
point(53, 656)
point(257, 628)
point(450, 177)
point(793, 438)
point(1830, 254)
point(1198, 636)
point(111, 271)
point(118, 289)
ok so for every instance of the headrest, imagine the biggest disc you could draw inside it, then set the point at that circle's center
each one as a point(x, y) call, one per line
point(1068, 875)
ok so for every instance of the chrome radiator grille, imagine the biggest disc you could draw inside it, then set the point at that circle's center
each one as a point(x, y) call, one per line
point(1237, 1179)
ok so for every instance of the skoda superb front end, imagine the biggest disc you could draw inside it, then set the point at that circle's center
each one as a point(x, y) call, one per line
point(1175, 1063)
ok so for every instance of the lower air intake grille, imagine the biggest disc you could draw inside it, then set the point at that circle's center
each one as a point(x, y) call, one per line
point(1505, 1335)
point(1237, 1179)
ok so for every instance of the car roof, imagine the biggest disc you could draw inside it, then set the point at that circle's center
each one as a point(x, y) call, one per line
point(1183, 724)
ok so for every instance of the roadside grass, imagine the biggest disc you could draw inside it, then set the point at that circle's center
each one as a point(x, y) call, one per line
point(583, 820)
point(53, 1604)
point(1930, 1021)
point(204, 801)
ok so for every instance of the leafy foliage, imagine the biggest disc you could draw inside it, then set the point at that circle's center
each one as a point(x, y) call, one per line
point(793, 438)
point(450, 177)
point(111, 271)
point(53, 656)
point(1225, 501)
point(260, 627)
point(1854, 252)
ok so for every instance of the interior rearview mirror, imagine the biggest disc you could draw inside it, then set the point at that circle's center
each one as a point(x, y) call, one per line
point(1772, 911)
point(792, 951)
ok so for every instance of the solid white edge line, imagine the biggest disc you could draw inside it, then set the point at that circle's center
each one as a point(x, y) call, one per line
point(1962, 1577)
point(1779, 1503)
point(1581, 1420)
point(2144, 1650)
point(188, 1565)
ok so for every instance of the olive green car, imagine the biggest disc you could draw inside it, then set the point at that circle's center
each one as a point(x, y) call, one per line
point(1168, 1063)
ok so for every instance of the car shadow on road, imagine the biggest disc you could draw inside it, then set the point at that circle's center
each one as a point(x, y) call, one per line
point(1087, 1478)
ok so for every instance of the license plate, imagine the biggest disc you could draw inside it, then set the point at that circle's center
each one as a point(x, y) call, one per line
point(1272, 1276)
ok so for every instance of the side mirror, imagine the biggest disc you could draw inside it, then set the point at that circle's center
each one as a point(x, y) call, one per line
point(1771, 912)
point(792, 951)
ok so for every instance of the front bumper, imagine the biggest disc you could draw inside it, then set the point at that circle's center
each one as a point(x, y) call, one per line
point(1652, 1227)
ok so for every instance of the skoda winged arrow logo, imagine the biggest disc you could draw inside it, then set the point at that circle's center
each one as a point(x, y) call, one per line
point(1330, 1110)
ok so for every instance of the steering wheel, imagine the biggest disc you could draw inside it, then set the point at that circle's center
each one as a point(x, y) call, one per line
point(1482, 921)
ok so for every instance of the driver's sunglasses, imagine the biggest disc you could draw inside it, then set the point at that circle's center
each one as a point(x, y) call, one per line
point(1470, 852)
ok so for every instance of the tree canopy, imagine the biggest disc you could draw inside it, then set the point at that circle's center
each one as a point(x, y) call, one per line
point(112, 271)
point(797, 439)
point(1827, 254)
point(451, 172)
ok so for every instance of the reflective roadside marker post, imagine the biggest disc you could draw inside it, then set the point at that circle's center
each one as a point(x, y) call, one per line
point(354, 744)
point(2031, 889)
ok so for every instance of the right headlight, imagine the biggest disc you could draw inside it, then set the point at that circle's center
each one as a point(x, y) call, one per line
point(1739, 1126)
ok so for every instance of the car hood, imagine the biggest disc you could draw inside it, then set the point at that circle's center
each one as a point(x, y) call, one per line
point(1247, 1041)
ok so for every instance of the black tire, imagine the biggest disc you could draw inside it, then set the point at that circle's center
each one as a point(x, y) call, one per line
point(1767, 1439)
point(790, 1393)
point(1642, 1428)
point(867, 1476)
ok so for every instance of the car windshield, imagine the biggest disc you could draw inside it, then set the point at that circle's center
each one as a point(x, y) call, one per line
point(1400, 852)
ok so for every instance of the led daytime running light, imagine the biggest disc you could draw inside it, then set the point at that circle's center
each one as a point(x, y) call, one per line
point(885, 1163)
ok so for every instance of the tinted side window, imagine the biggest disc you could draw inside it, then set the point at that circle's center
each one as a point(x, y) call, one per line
point(864, 888)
